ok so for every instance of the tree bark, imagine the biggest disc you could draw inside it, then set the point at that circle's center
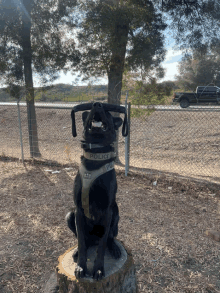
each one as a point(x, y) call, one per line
point(120, 274)
point(114, 95)
point(27, 61)
point(116, 67)
point(114, 84)
point(115, 72)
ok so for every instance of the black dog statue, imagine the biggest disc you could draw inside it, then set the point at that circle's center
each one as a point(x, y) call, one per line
point(96, 216)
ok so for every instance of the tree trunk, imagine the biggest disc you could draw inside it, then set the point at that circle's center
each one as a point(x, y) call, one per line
point(119, 274)
point(27, 61)
point(114, 96)
point(114, 85)
point(115, 73)
point(116, 67)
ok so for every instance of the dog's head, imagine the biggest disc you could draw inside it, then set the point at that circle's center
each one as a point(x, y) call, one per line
point(99, 125)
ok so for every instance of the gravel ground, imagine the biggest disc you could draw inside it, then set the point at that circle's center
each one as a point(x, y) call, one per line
point(163, 223)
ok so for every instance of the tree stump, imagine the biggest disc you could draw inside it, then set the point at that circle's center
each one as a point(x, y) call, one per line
point(119, 274)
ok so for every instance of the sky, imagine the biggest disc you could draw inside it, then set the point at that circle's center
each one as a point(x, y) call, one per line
point(170, 63)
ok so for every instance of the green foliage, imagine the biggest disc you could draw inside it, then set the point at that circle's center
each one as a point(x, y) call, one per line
point(69, 93)
point(4, 95)
point(148, 95)
point(194, 24)
point(141, 113)
point(118, 33)
point(49, 51)
point(199, 68)
point(14, 91)
point(62, 92)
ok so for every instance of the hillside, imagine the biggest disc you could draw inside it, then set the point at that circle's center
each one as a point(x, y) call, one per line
point(68, 93)
point(64, 92)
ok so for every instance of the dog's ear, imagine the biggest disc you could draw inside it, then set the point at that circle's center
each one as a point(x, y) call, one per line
point(85, 115)
point(117, 122)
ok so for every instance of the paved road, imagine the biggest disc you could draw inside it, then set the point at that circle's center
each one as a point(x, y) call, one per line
point(158, 108)
point(42, 105)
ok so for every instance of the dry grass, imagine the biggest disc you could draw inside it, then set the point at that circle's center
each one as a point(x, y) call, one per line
point(164, 226)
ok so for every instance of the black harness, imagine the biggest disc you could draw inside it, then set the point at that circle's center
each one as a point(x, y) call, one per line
point(88, 177)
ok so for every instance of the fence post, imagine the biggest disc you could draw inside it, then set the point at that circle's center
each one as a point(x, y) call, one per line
point(19, 122)
point(127, 138)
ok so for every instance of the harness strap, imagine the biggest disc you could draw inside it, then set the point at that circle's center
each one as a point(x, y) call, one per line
point(92, 145)
point(99, 156)
point(87, 178)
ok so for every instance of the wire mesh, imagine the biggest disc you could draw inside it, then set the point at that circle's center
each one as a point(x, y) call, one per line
point(186, 142)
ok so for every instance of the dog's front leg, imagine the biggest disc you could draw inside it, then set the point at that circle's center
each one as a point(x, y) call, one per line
point(98, 269)
point(81, 268)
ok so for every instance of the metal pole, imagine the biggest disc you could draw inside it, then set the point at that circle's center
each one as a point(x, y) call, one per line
point(127, 138)
point(19, 122)
point(129, 124)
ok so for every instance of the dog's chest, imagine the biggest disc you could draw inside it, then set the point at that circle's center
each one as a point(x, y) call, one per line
point(92, 197)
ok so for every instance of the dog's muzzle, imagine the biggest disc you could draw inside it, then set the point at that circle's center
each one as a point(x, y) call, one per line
point(97, 122)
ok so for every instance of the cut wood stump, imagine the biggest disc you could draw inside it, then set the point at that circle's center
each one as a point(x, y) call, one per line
point(119, 277)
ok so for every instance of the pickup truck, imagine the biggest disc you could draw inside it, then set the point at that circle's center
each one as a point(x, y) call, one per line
point(203, 95)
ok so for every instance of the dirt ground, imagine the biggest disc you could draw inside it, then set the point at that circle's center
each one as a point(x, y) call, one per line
point(164, 224)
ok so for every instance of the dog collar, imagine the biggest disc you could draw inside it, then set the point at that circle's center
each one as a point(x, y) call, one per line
point(99, 156)
point(91, 145)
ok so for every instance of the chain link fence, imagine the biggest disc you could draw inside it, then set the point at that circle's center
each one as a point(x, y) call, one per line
point(185, 142)
point(174, 140)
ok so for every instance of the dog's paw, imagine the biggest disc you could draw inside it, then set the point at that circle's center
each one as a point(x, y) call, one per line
point(98, 272)
point(80, 271)
point(114, 250)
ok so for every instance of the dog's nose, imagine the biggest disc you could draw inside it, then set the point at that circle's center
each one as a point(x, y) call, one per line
point(97, 104)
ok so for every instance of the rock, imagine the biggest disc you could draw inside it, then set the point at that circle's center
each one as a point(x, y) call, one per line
point(215, 235)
